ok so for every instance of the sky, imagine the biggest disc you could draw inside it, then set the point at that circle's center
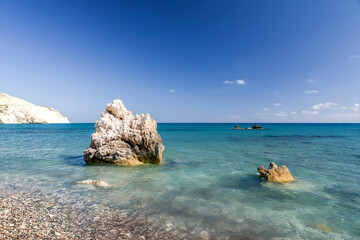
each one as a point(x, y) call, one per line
point(186, 61)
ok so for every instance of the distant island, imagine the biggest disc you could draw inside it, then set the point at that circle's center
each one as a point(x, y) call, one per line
point(16, 110)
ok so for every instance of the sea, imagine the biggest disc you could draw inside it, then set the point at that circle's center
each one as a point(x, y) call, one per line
point(208, 184)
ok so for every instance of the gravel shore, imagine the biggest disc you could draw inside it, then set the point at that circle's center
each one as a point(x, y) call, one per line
point(26, 215)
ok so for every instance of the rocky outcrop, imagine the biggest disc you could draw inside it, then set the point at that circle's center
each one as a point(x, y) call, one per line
point(255, 126)
point(124, 139)
point(16, 110)
point(276, 174)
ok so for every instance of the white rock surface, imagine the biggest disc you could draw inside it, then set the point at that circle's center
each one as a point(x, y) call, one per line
point(124, 139)
point(16, 110)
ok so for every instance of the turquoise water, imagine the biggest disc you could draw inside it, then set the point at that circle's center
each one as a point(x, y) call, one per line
point(208, 184)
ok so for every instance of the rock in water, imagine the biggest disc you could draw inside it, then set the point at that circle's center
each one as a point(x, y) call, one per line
point(16, 110)
point(276, 174)
point(98, 183)
point(324, 228)
point(120, 138)
point(256, 126)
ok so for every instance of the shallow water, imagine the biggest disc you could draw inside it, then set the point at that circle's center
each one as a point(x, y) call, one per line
point(208, 184)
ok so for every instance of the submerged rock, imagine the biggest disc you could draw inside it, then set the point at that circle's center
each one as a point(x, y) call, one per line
point(323, 228)
point(98, 183)
point(16, 110)
point(124, 139)
point(255, 126)
point(276, 174)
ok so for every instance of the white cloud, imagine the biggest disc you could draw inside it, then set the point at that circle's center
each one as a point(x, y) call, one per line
point(309, 112)
point(356, 107)
point(277, 104)
point(266, 109)
point(280, 114)
point(239, 82)
point(324, 105)
point(293, 113)
point(355, 56)
point(172, 90)
point(310, 80)
point(311, 91)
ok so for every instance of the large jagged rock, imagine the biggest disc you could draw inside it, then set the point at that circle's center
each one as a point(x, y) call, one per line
point(276, 174)
point(120, 138)
point(16, 110)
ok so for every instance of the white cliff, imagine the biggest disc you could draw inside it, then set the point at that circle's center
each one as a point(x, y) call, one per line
point(16, 110)
point(124, 139)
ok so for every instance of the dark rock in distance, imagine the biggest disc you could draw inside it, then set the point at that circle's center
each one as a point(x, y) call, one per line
point(255, 126)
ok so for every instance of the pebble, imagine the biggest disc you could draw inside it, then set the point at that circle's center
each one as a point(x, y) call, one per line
point(203, 234)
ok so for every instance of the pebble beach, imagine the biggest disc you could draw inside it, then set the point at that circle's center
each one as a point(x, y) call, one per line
point(26, 215)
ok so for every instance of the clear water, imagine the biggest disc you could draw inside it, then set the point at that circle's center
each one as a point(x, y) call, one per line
point(208, 184)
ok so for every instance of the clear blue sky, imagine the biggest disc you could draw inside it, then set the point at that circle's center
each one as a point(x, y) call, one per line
point(186, 61)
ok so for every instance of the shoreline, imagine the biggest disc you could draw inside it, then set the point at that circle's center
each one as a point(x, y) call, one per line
point(25, 215)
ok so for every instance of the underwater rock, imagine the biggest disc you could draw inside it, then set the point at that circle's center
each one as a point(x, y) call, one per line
point(323, 228)
point(98, 183)
point(276, 174)
point(124, 139)
point(255, 126)
point(16, 110)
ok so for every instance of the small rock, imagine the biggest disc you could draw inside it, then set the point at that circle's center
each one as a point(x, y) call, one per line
point(204, 234)
point(255, 126)
point(101, 183)
point(276, 174)
point(324, 228)
point(98, 183)
point(168, 224)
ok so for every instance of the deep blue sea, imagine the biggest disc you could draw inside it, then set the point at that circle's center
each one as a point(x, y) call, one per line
point(208, 184)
